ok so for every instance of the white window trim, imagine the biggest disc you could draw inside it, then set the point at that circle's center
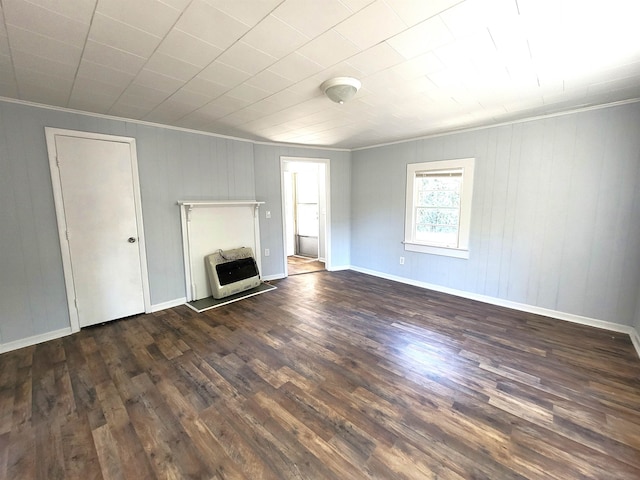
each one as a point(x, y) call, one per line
point(410, 243)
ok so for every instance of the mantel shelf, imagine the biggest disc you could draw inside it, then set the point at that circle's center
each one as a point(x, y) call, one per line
point(221, 203)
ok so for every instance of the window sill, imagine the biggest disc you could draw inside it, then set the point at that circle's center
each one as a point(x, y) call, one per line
point(447, 252)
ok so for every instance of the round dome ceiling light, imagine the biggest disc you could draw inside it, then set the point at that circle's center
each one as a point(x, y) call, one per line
point(340, 89)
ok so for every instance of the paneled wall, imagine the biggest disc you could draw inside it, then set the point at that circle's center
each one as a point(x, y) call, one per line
point(267, 170)
point(555, 219)
point(173, 165)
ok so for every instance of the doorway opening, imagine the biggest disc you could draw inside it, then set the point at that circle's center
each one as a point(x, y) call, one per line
point(305, 206)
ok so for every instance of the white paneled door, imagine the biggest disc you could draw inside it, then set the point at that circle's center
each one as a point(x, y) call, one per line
point(97, 203)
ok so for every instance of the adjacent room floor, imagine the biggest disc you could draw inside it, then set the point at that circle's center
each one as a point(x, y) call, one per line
point(332, 375)
point(297, 265)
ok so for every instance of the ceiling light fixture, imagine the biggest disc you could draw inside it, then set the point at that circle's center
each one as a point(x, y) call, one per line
point(340, 89)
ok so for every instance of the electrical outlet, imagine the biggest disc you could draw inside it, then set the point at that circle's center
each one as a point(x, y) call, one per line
point(267, 214)
point(401, 260)
point(266, 252)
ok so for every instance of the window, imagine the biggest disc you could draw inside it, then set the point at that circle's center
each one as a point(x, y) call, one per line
point(438, 210)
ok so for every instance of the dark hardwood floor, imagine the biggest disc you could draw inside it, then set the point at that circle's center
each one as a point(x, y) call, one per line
point(333, 375)
point(297, 265)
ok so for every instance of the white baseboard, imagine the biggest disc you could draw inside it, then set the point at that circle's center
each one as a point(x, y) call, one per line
point(635, 339)
point(523, 307)
point(35, 339)
point(277, 276)
point(338, 268)
point(170, 304)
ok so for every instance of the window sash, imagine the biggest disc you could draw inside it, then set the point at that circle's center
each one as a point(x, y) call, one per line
point(419, 199)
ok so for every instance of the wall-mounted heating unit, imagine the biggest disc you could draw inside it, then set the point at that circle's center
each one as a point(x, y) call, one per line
point(232, 271)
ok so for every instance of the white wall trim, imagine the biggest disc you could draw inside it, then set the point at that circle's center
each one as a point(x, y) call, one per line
point(35, 339)
point(170, 304)
point(311, 146)
point(170, 127)
point(523, 307)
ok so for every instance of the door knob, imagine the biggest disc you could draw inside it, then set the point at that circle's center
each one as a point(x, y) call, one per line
point(132, 240)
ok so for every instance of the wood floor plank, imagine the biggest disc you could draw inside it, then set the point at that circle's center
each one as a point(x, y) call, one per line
point(333, 375)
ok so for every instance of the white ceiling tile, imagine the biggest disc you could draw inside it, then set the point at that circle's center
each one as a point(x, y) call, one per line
point(295, 67)
point(157, 81)
point(119, 35)
point(510, 41)
point(483, 62)
point(79, 10)
point(222, 74)
point(41, 88)
point(213, 26)
point(263, 37)
point(471, 16)
point(8, 86)
point(85, 88)
point(356, 5)
point(177, 4)
point(248, 12)
point(377, 58)
point(105, 75)
point(26, 41)
point(342, 69)
point(222, 106)
point(167, 112)
point(371, 25)
point(248, 93)
point(422, 38)
point(137, 14)
point(112, 57)
point(311, 16)
point(127, 109)
point(413, 12)
point(42, 64)
point(329, 48)
point(194, 121)
point(419, 66)
point(205, 87)
point(142, 97)
point(171, 67)
point(189, 99)
point(269, 81)
point(178, 44)
point(91, 103)
point(287, 97)
point(246, 58)
point(4, 39)
point(44, 22)
point(239, 117)
point(264, 107)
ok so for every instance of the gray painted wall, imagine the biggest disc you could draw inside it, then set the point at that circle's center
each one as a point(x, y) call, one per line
point(555, 220)
point(267, 170)
point(173, 165)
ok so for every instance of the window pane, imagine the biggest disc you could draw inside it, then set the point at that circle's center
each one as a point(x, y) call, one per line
point(437, 216)
point(430, 198)
point(439, 183)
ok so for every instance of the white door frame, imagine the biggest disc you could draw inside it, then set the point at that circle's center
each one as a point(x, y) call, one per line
point(327, 218)
point(50, 134)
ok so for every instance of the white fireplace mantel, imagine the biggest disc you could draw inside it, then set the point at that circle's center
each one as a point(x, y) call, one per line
point(208, 226)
